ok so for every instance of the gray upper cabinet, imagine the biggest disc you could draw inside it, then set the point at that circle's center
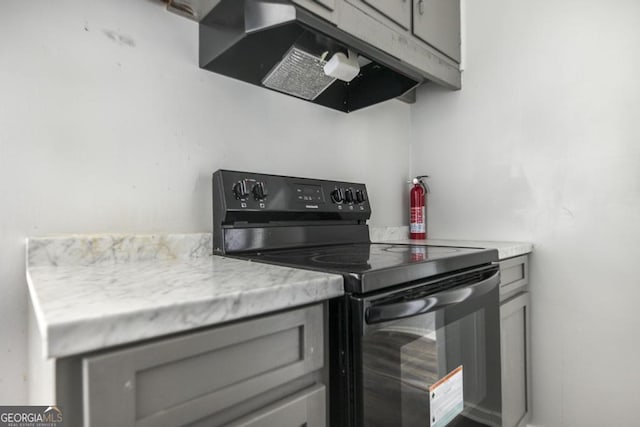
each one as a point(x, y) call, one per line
point(437, 22)
point(323, 8)
point(391, 26)
point(423, 34)
point(329, 4)
point(399, 11)
point(432, 22)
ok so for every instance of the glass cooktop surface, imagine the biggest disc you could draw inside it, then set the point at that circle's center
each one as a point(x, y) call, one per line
point(358, 258)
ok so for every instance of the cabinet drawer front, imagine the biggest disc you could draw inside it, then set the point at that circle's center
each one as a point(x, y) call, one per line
point(307, 408)
point(184, 379)
point(514, 275)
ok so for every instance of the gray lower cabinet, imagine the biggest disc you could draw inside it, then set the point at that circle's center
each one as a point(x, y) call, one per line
point(515, 331)
point(514, 276)
point(306, 408)
point(262, 372)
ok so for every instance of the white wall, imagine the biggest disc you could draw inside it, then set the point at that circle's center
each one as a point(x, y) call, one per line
point(108, 125)
point(543, 145)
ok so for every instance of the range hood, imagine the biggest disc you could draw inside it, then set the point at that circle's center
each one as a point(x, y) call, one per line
point(277, 45)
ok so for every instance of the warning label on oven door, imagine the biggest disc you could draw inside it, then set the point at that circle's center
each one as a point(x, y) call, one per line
point(446, 398)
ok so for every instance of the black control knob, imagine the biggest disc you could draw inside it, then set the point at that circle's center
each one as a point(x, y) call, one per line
point(337, 195)
point(240, 190)
point(360, 197)
point(259, 191)
point(348, 195)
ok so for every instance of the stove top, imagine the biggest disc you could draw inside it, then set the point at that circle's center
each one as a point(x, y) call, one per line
point(367, 267)
point(324, 226)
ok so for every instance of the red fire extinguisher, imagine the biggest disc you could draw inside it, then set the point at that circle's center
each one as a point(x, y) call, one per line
point(418, 214)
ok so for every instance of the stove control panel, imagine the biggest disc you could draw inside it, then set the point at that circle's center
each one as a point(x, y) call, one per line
point(283, 196)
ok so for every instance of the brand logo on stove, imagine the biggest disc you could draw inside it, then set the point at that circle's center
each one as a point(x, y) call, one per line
point(311, 206)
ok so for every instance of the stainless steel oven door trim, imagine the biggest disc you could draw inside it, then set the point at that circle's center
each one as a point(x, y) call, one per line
point(398, 310)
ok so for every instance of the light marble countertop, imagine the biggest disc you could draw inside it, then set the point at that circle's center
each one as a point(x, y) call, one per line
point(399, 235)
point(93, 292)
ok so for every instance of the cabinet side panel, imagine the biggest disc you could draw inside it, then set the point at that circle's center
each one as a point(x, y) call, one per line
point(514, 335)
point(41, 375)
point(68, 379)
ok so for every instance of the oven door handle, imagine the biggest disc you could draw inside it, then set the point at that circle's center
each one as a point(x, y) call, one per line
point(398, 310)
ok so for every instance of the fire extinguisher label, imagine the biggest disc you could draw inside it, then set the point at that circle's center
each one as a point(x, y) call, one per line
point(417, 220)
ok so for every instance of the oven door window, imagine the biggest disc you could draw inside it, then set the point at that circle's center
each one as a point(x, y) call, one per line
point(402, 359)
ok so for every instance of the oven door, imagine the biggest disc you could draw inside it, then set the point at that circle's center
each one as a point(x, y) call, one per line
point(429, 354)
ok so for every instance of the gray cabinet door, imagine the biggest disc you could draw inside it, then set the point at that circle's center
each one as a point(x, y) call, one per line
point(307, 408)
point(192, 377)
point(515, 353)
point(437, 22)
point(514, 276)
point(399, 11)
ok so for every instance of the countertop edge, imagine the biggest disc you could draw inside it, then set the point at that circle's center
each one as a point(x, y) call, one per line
point(217, 289)
point(39, 316)
point(65, 339)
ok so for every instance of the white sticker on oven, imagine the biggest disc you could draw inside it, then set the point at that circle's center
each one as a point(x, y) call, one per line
point(446, 398)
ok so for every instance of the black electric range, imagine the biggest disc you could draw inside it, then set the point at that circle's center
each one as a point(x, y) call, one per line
point(415, 340)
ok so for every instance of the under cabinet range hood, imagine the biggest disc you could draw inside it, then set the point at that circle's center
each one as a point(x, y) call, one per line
point(279, 46)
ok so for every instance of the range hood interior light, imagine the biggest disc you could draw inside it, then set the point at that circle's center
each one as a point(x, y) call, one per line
point(342, 67)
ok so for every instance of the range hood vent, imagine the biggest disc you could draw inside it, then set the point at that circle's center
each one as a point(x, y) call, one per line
point(299, 74)
point(279, 46)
